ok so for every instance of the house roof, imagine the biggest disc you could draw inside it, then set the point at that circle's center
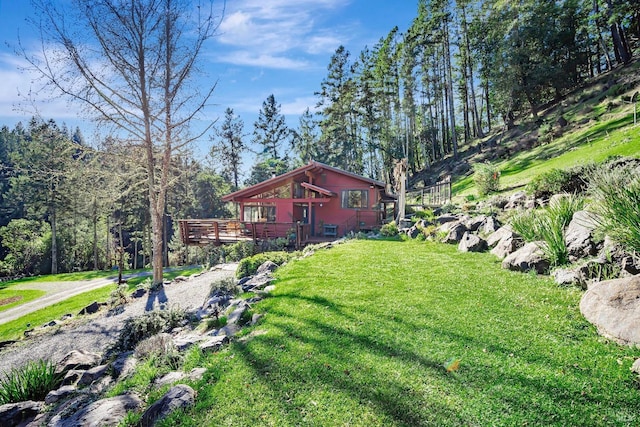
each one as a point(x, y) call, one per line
point(312, 166)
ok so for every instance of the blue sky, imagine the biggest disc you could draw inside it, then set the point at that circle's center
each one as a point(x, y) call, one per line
point(262, 47)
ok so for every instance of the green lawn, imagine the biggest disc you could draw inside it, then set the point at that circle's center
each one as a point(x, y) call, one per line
point(15, 329)
point(361, 334)
point(10, 298)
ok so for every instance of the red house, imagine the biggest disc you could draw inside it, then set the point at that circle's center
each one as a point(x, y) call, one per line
point(314, 202)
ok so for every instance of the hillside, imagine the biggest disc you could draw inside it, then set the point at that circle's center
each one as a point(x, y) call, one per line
point(589, 124)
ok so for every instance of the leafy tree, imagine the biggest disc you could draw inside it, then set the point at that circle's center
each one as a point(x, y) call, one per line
point(265, 169)
point(131, 64)
point(26, 242)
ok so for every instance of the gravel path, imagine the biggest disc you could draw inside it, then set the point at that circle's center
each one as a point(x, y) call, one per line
point(101, 330)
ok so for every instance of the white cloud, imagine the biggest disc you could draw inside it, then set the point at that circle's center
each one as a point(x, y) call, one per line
point(278, 32)
point(263, 60)
point(299, 105)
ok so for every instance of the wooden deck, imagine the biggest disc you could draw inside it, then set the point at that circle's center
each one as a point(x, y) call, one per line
point(222, 231)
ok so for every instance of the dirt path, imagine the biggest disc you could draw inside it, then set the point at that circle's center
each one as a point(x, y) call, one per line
point(101, 330)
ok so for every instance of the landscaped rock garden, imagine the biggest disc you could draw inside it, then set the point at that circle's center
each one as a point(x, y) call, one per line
point(84, 395)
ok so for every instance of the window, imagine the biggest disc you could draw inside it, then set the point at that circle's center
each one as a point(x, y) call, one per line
point(355, 199)
point(259, 213)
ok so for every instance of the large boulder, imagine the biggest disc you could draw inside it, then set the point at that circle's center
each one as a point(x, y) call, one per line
point(473, 224)
point(77, 359)
point(455, 231)
point(472, 243)
point(105, 412)
point(491, 225)
point(178, 397)
point(124, 365)
point(499, 234)
point(19, 414)
point(527, 258)
point(579, 235)
point(613, 306)
point(509, 243)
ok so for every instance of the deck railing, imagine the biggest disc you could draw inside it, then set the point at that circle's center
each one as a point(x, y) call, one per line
point(432, 196)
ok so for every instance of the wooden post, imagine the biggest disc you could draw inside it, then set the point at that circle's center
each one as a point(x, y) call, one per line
point(216, 231)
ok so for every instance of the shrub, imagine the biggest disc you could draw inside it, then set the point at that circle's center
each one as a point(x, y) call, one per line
point(616, 193)
point(573, 180)
point(389, 229)
point(426, 214)
point(548, 225)
point(119, 296)
point(486, 178)
point(30, 382)
point(227, 286)
point(150, 323)
point(249, 266)
point(161, 348)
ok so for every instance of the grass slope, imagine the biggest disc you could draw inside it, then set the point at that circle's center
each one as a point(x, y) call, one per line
point(600, 125)
point(361, 335)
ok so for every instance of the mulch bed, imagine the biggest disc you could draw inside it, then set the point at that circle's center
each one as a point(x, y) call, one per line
point(9, 300)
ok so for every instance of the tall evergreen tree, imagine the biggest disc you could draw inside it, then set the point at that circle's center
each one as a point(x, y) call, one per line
point(228, 147)
point(270, 130)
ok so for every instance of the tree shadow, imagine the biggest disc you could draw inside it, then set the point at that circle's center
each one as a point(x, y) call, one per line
point(158, 295)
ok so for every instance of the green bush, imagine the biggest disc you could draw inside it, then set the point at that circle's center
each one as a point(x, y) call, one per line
point(548, 226)
point(150, 323)
point(30, 382)
point(249, 266)
point(616, 195)
point(426, 214)
point(389, 229)
point(486, 177)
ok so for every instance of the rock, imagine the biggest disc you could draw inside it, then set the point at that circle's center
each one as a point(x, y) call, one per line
point(267, 267)
point(170, 378)
point(594, 270)
point(508, 245)
point(636, 367)
point(491, 225)
point(138, 293)
point(258, 281)
point(516, 200)
point(183, 342)
point(105, 412)
point(473, 224)
point(237, 313)
point(613, 306)
point(72, 377)
point(178, 397)
point(256, 318)
point(472, 243)
point(529, 257)
point(77, 359)
point(214, 343)
point(62, 393)
point(90, 309)
point(498, 235)
point(66, 316)
point(443, 219)
point(124, 365)
point(20, 413)
point(197, 374)
point(413, 232)
point(456, 231)
point(566, 277)
point(530, 204)
point(93, 374)
point(579, 235)
point(50, 324)
point(269, 289)
point(99, 386)
point(179, 279)
point(630, 265)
